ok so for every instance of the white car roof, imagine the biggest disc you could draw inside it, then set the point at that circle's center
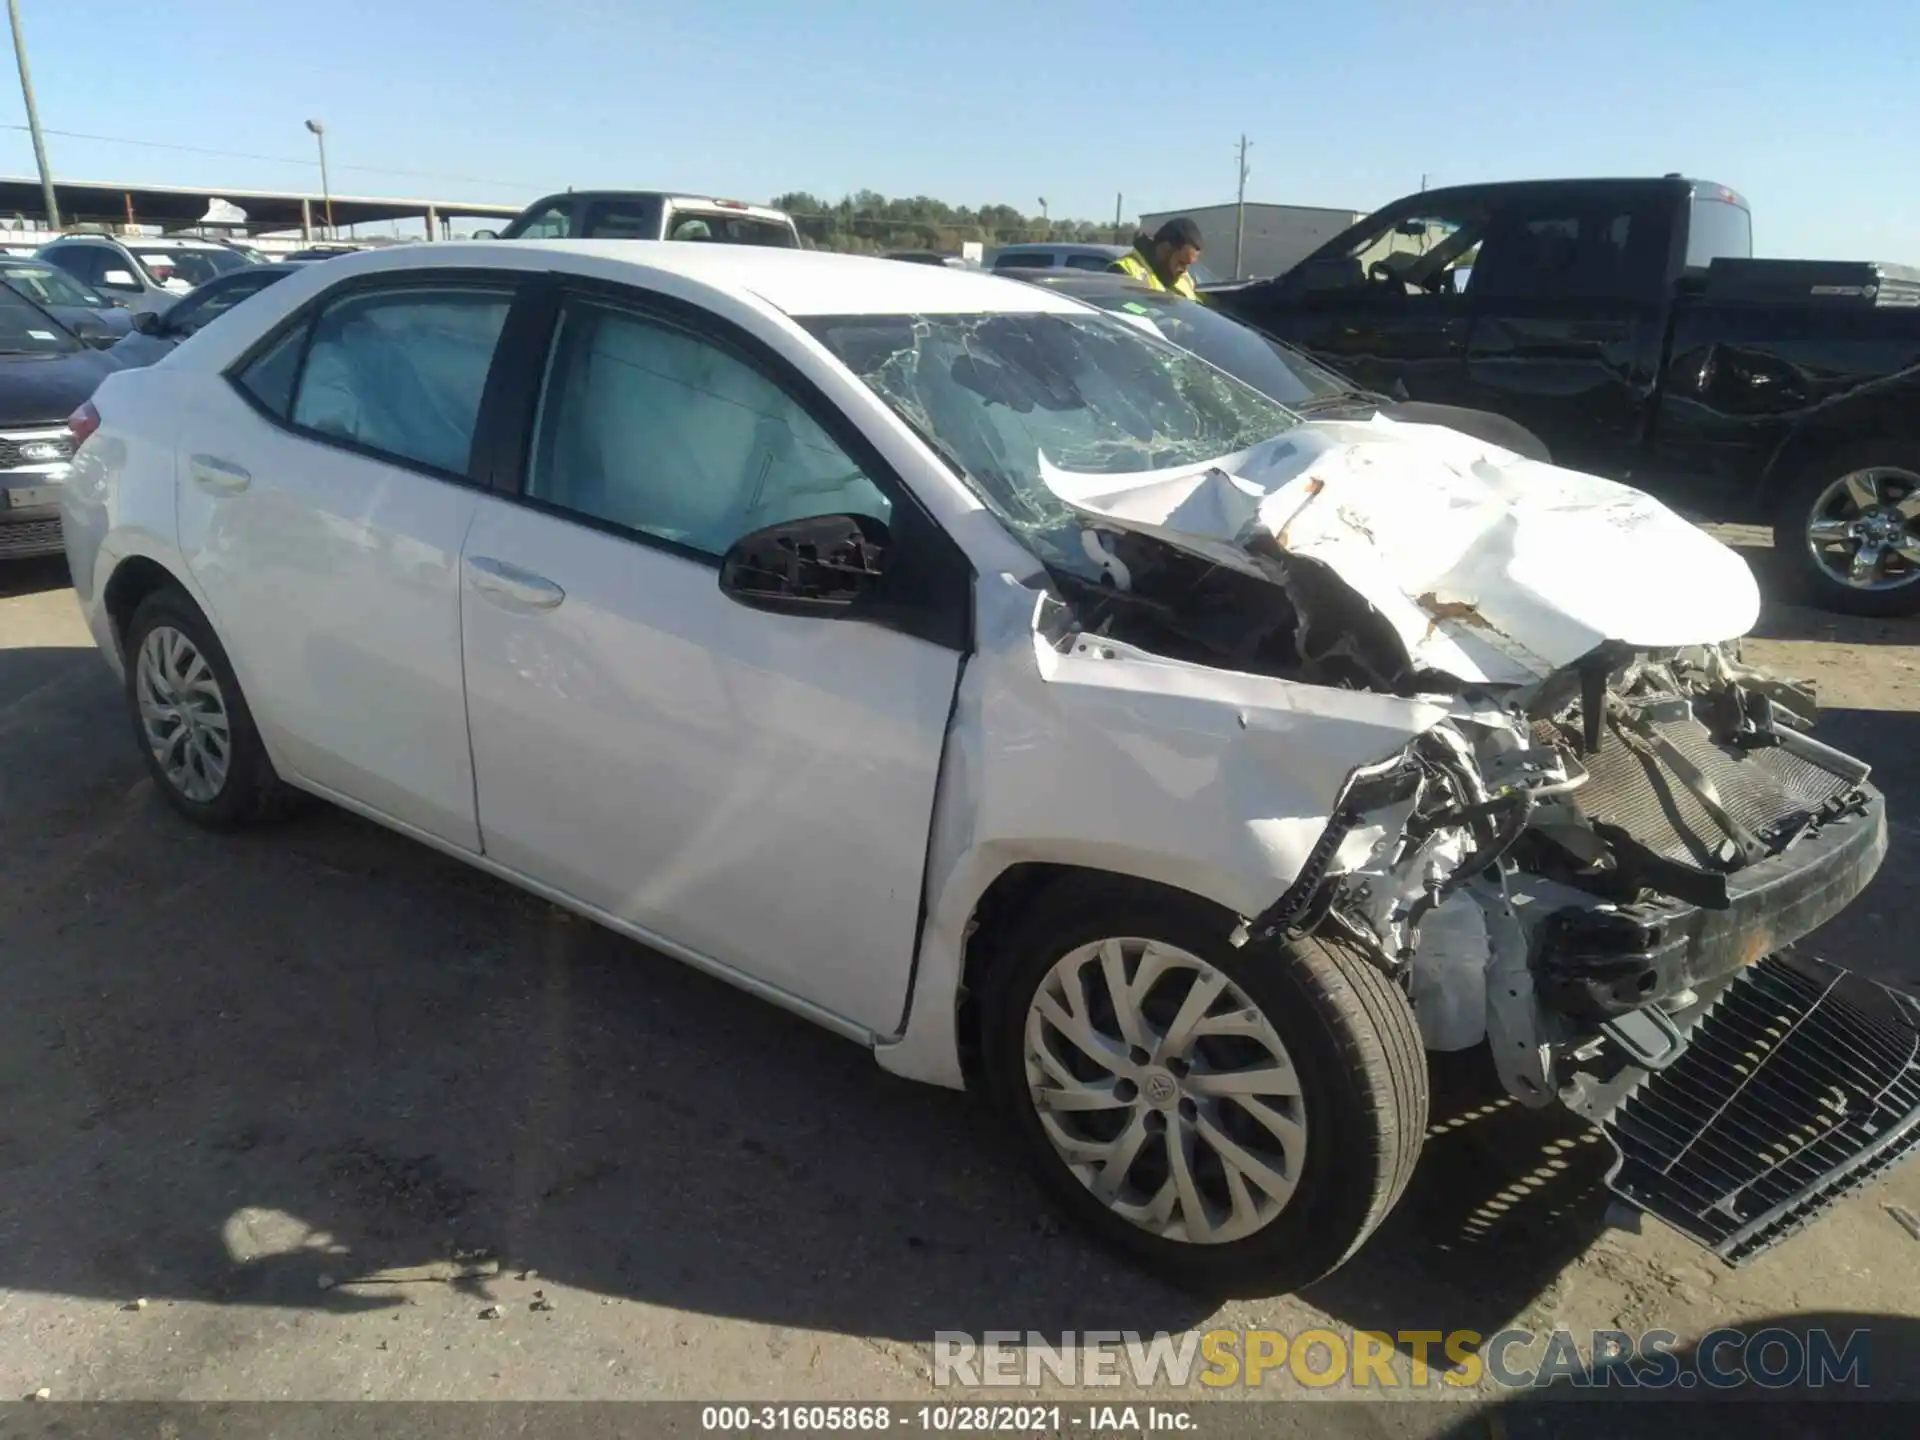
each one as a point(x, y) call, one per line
point(794, 282)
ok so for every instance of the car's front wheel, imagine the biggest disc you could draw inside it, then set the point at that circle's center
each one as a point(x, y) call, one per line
point(1849, 525)
point(191, 721)
point(1236, 1120)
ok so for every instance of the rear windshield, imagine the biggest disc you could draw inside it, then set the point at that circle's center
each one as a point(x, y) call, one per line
point(45, 285)
point(1719, 230)
point(725, 228)
point(25, 330)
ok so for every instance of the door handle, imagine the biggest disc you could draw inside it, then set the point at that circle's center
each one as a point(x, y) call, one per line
point(511, 586)
point(222, 477)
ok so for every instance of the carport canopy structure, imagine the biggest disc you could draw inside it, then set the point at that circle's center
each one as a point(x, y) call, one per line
point(173, 207)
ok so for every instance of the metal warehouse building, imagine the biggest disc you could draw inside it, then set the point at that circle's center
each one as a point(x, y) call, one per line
point(1277, 237)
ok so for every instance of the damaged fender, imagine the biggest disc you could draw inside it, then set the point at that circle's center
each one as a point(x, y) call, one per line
point(1089, 752)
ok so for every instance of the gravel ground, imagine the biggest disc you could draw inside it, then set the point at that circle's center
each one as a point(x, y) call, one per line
point(279, 1087)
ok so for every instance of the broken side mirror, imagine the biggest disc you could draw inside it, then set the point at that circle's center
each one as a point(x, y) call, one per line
point(824, 565)
point(147, 322)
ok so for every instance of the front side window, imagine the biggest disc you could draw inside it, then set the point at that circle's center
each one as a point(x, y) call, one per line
point(402, 371)
point(1089, 262)
point(1422, 255)
point(553, 223)
point(1006, 396)
point(1024, 260)
point(657, 430)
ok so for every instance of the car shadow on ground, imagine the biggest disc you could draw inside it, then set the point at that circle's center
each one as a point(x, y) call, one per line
point(35, 576)
point(232, 1067)
point(1707, 1396)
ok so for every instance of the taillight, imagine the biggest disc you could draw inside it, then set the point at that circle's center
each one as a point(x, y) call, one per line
point(82, 423)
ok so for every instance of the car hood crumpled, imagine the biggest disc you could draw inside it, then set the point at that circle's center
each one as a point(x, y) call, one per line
point(1491, 568)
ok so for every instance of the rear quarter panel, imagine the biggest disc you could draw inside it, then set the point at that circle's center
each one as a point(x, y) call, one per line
point(119, 501)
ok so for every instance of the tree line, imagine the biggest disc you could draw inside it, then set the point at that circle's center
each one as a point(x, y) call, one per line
point(868, 222)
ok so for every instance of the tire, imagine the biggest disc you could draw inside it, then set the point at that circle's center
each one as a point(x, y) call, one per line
point(1891, 470)
point(1347, 1030)
point(170, 641)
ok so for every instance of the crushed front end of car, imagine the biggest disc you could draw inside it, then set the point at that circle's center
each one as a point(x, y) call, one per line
point(1599, 860)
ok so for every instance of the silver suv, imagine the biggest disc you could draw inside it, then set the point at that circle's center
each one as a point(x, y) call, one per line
point(139, 273)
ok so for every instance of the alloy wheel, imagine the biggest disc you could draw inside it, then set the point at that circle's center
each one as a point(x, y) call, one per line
point(1165, 1090)
point(183, 714)
point(1864, 530)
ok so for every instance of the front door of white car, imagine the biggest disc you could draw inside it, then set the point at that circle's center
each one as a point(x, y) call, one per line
point(322, 505)
point(753, 788)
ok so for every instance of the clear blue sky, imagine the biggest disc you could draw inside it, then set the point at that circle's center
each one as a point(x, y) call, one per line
point(1809, 109)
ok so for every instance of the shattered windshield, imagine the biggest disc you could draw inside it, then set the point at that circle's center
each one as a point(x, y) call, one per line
point(1088, 393)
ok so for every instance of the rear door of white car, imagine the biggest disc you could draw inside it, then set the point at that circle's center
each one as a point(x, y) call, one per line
point(324, 491)
point(755, 789)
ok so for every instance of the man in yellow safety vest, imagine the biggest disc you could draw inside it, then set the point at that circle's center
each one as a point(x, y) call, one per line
point(1163, 260)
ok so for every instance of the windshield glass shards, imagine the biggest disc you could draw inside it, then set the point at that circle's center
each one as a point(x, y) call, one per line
point(1005, 397)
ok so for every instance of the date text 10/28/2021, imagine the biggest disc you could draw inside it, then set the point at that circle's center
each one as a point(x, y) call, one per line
point(948, 1419)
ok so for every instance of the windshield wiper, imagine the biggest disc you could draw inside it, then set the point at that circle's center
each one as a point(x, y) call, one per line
point(1338, 399)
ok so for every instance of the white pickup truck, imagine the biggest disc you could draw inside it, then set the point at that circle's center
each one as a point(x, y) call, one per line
point(652, 215)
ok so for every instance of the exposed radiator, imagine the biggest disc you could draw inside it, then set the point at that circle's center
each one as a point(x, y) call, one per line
point(1770, 791)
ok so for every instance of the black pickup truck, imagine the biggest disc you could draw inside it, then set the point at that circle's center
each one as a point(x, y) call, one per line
point(1626, 323)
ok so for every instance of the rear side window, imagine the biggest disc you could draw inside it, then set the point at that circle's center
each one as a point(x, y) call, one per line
point(269, 378)
point(1575, 254)
point(614, 220)
point(1718, 230)
point(717, 226)
point(398, 372)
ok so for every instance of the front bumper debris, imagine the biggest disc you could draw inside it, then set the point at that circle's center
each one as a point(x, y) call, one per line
point(1594, 964)
point(1799, 1083)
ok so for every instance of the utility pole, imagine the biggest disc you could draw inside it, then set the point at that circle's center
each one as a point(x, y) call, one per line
point(33, 118)
point(326, 190)
point(1423, 182)
point(1116, 219)
point(1240, 211)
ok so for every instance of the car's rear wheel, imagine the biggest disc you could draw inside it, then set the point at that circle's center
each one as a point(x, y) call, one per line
point(1849, 525)
point(190, 719)
point(1236, 1120)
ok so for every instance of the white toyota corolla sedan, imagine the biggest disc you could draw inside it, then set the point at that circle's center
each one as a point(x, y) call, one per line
point(1021, 697)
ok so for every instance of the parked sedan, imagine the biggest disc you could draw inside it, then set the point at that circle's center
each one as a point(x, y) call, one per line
point(1017, 694)
point(45, 373)
point(1290, 376)
point(82, 309)
point(154, 335)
